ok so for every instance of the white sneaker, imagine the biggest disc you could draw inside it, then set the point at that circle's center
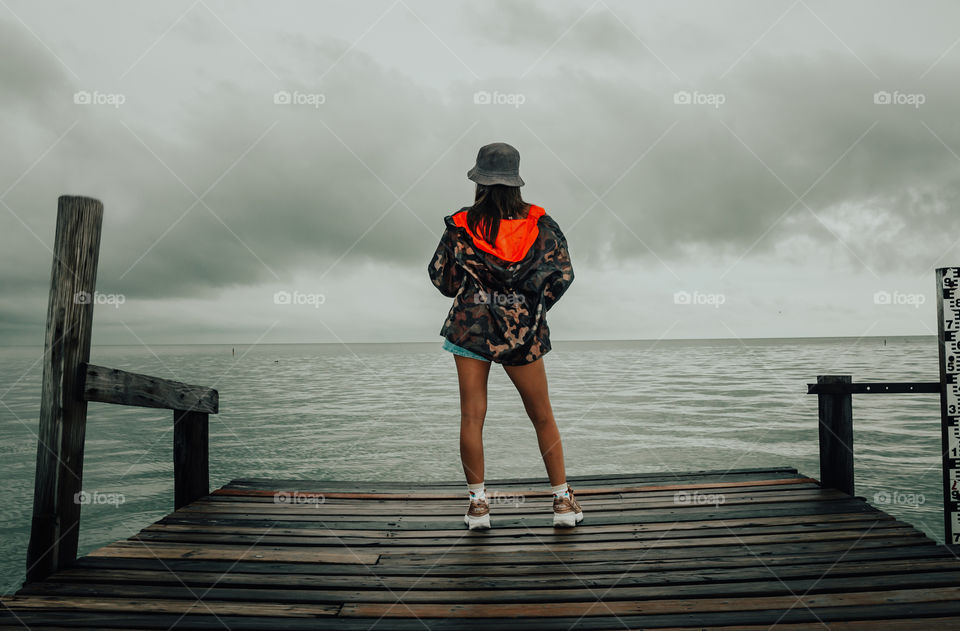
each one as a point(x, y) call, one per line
point(566, 510)
point(478, 515)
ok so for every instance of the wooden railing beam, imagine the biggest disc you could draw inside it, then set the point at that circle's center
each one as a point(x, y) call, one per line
point(111, 385)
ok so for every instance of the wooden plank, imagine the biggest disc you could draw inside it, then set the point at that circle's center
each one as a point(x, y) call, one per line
point(507, 518)
point(556, 543)
point(111, 385)
point(573, 591)
point(533, 555)
point(581, 492)
point(547, 555)
point(479, 580)
point(906, 554)
point(673, 514)
point(824, 521)
point(316, 504)
point(664, 606)
point(506, 496)
point(168, 605)
point(688, 621)
point(513, 508)
point(20, 627)
point(63, 412)
point(613, 479)
point(498, 499)
point(898, 624)
point(320, 537)
point(159, 550)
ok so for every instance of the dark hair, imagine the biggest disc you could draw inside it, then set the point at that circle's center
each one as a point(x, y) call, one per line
point(492, 203)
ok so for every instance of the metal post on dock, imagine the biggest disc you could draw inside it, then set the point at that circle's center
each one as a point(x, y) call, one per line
point(835, 411)
point(191, 462)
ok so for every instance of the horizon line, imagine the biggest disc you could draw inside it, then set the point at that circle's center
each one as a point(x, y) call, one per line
point(665, 339)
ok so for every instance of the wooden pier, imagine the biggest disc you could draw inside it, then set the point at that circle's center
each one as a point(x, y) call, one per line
point(745, 549)
point(735, 550)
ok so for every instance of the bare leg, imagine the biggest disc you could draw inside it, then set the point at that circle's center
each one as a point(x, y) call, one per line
point(472, 374)
point(531, 383)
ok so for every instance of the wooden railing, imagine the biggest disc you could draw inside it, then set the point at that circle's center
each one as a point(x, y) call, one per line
point(69, 381)
point(191, 405)
point(835, 411)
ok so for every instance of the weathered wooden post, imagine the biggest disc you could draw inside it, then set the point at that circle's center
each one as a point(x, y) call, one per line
point(835, 410)
point(63, 410)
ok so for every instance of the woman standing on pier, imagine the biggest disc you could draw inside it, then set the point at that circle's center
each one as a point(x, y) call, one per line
point(505, 264)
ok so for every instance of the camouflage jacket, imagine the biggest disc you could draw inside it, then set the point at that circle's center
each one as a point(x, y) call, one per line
point(501, 293)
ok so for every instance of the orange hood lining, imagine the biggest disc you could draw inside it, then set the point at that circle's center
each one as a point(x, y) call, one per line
point(514, 238)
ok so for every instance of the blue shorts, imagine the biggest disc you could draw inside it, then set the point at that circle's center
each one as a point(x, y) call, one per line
point(459, 350)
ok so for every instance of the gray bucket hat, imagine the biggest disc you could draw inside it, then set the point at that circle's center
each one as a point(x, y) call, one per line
point(497, 163)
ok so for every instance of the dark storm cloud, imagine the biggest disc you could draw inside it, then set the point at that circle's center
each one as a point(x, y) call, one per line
point(316, 180)
point(536, 28)
point(799, 123)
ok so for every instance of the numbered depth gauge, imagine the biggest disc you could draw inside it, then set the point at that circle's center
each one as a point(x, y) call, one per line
point(948, 337)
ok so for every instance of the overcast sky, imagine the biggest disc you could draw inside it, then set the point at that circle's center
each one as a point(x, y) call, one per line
point(735, 169)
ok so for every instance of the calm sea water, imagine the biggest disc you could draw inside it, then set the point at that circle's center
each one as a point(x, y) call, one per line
point(390, 412)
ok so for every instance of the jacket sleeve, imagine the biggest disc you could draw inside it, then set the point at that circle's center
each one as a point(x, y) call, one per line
point(444, 272)
point(560, 270)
